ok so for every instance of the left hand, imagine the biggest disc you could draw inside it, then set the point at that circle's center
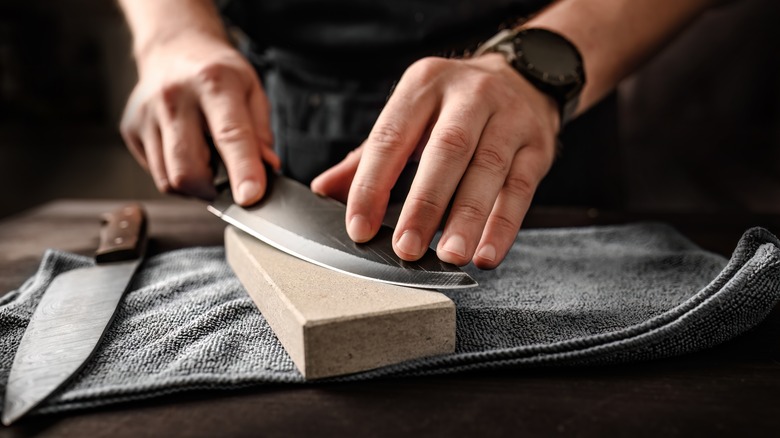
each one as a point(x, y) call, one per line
point(486, 138)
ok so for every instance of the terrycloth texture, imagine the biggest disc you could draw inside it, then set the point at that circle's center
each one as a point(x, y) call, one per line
point(562, 297)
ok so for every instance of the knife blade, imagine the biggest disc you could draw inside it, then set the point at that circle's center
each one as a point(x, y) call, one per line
point(73, 314)
point(301, 223)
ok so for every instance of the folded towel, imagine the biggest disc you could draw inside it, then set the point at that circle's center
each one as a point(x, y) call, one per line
point(562, 297)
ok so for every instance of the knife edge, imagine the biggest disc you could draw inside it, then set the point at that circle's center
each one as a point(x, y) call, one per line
point(298, 246)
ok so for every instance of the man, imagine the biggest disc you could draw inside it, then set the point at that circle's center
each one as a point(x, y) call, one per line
point(483, 129)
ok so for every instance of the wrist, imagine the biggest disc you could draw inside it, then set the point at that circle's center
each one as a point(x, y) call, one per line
point(164, 44)
point(158, 24)
point(547, 60)
point(546, 108)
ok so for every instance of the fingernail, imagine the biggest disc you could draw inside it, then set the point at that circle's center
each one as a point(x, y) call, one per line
point(248, 191)
point(487, 252)
point(359, 228)
point(410, 243)
point(455, 244)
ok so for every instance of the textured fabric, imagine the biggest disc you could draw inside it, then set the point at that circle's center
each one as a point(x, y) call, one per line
point(562, 297)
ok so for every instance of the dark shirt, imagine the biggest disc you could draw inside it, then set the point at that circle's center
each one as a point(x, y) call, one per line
point(329, 65)
point(373, 32)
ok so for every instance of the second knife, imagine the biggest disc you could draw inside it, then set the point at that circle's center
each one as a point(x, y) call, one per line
point(73, 314)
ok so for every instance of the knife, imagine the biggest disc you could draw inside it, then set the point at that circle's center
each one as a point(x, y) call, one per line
point(73, 314)
point(301, 223)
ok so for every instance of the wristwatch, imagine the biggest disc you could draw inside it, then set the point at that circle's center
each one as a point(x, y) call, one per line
point(549, 61)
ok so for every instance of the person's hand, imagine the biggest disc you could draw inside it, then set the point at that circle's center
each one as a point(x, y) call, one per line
point(486, 137)
point(188, 84)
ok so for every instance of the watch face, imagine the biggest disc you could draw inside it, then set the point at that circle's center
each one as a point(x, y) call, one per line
point(548, 56)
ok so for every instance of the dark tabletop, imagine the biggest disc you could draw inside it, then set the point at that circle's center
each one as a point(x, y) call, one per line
point(733, 389)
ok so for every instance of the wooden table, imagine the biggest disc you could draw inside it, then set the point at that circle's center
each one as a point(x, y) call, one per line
point(733, 389)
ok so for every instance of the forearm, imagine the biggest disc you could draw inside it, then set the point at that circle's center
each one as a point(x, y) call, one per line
point(155, 22)
point(616, 36)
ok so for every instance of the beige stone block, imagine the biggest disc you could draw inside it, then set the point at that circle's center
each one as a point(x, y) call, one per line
point(333, 324)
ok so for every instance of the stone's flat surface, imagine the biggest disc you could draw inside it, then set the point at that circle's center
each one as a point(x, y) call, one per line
point(333, 324)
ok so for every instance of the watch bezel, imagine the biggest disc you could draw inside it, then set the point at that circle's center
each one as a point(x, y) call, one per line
point(573, 78)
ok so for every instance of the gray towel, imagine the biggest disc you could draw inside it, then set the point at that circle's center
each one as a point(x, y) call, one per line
point(562, 297)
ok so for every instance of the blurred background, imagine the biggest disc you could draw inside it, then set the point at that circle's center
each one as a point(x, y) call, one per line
point(65, 73)
point(699, 126)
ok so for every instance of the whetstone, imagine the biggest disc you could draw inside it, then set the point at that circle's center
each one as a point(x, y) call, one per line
point(332, 323)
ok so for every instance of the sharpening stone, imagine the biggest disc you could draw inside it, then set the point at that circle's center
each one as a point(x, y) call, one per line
point(332, 323)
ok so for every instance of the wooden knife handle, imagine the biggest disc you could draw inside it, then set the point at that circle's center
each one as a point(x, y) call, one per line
point(122, 235)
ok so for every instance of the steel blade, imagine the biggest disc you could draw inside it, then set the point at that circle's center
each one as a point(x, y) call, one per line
point(293, 219)
point(64, 331)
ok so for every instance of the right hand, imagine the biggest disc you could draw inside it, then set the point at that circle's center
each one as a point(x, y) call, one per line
point(186, 85)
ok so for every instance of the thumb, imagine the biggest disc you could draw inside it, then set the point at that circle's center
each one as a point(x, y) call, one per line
point(335, 181)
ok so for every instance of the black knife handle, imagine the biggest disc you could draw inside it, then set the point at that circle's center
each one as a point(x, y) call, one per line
point(122, 234)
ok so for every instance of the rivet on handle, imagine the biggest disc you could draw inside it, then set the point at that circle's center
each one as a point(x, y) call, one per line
point(122, 235)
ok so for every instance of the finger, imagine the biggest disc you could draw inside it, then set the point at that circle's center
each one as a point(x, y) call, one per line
point(391, 142)
point(152, 144)
point(444, 160)
point(528, 168)
point(225, 106)
point(129, 128)
point(479, 189)
point(336, 181)
point(259, 111)
point(136, 148)
point(184, 147)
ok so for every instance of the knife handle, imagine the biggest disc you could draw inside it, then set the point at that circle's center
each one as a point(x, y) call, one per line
point(122, 235)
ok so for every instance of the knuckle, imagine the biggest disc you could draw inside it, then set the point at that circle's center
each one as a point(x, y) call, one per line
point(231, 132)
point(426, 200)
point(366, 188)
point(213, 76)
point(386, 137)
point(453, 140)
point(470, 210)
point(427, 69)
point(505, 224)
point(520, 186)
point(491, 160)
point(482, 84)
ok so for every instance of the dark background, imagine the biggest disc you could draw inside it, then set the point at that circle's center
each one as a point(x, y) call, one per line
point(65, 72)
point(699, 124)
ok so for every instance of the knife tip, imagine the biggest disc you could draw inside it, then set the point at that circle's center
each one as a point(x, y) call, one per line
point(12, 412)
point(7, 420)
